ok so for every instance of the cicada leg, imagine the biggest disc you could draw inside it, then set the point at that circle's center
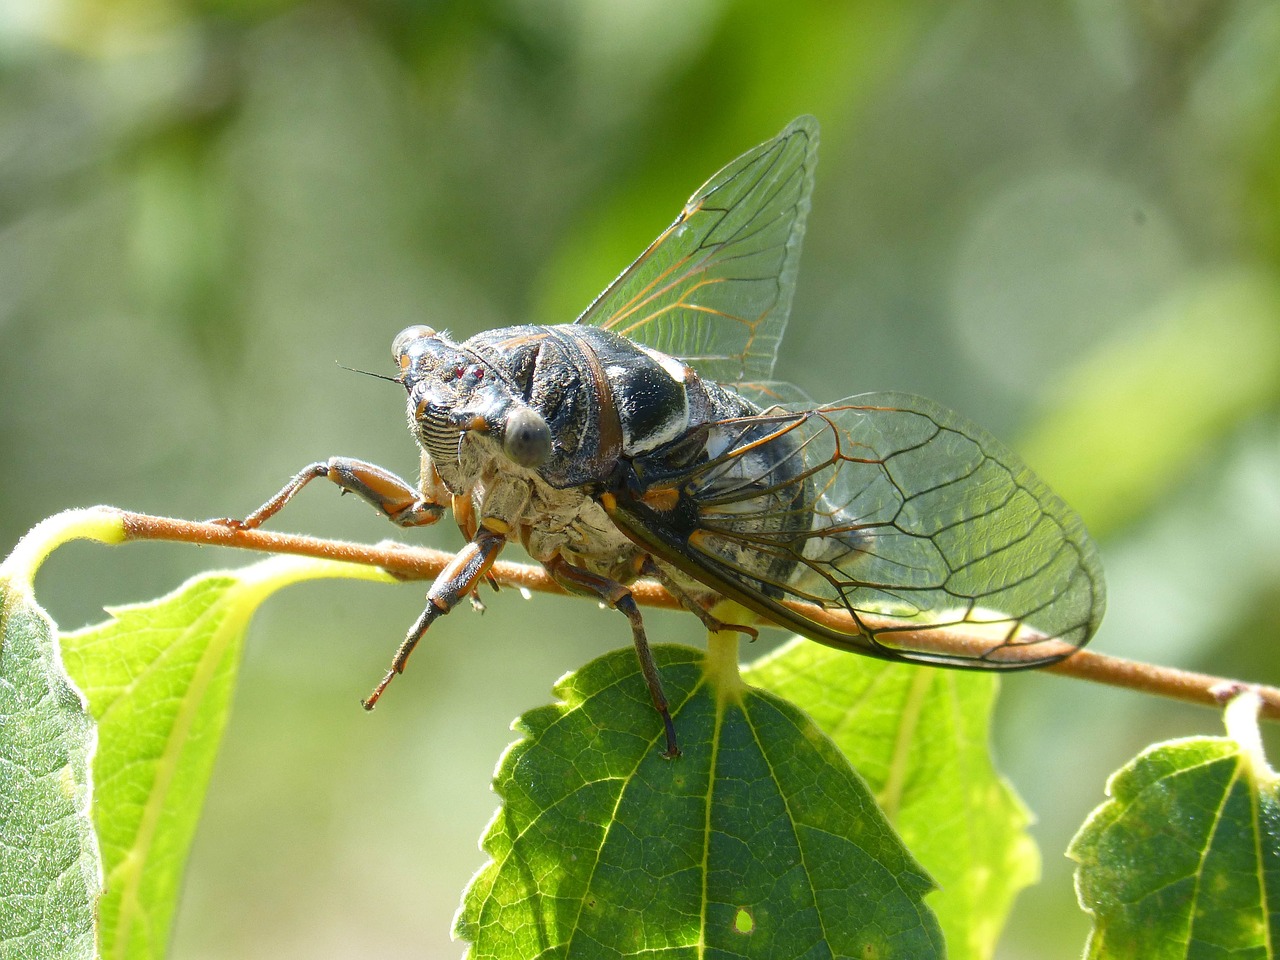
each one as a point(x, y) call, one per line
point(464, 515)
point(455, 581)
point(619, 597)
point(713, 624)
point(399, 501)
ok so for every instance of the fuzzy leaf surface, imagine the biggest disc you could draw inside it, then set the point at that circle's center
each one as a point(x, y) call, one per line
point(49, 867)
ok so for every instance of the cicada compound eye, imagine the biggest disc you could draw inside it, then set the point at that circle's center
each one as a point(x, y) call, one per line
point(528, 438)
point(400, 345)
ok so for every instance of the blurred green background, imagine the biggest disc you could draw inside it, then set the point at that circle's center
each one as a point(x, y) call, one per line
point(1060, 218)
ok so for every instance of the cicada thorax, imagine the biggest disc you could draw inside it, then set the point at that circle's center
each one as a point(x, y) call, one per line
point(604, 397)
point(706, 469)
point(696, 454)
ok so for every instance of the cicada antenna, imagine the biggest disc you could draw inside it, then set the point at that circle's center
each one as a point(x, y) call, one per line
point(369, 373)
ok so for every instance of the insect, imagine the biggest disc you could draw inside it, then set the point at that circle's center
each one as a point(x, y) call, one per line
point(647, 439)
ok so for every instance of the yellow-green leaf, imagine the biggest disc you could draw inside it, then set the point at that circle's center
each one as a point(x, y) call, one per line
point(93, 842)
point(49, 863)
point(159, 678)
point(921, 737)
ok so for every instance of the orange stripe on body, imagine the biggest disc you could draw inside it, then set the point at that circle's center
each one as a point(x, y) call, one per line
point(609, 419)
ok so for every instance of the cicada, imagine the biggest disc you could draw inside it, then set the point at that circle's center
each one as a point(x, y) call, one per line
point(648, 440)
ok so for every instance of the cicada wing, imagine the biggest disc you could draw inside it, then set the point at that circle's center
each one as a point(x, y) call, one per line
point(887, 524)
point(767, 394)
point(715, 288)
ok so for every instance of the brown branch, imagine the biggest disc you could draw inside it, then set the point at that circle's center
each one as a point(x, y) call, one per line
point(415, 563)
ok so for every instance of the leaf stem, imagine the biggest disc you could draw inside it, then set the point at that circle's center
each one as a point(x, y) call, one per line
point(416, 563)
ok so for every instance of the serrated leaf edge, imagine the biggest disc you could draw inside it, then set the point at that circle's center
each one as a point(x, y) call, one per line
point(1103, 815)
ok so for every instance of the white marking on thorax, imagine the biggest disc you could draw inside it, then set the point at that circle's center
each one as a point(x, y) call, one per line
point(670, 428)
point(677, 370)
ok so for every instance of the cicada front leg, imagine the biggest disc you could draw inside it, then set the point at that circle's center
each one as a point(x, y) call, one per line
point(619, 597)
point(399, 501)
point(455, 581)
point(464, 515)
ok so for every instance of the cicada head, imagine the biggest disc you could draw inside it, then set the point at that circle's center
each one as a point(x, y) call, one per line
point(454, 393)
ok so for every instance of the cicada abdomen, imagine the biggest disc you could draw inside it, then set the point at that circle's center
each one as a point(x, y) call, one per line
point(924, 535)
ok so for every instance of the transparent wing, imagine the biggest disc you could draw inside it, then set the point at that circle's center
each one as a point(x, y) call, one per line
point(715, 288)
point(885, 524)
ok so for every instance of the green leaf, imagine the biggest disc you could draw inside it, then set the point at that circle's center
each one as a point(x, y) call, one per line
point(760, 841)
point(921, 738)
point(159, 677)
point(48, 860)
point(49, 865)
point(1184, 859)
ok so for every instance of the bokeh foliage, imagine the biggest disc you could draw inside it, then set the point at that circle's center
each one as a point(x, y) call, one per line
point(1059, 218)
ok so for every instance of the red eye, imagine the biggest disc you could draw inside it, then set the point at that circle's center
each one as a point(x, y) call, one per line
point(458, 372)
point(479, 373)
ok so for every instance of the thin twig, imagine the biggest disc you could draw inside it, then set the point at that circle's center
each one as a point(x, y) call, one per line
point(415, 563)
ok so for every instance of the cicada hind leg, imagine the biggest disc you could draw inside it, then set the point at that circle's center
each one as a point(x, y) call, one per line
point(577, 580)
point(713, 623)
